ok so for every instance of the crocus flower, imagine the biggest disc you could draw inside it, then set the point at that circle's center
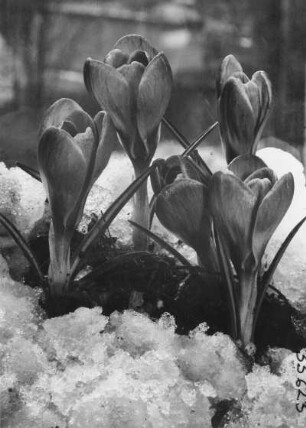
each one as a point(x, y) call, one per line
point(247, 203)
point(73, 151)
point(243, 107)
point(133, 83)
point(181, 207)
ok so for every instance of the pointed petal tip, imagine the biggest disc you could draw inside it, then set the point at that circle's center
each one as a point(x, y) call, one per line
point(154, 95)
point(245, 165)
point(132, 42)
point(228, 67)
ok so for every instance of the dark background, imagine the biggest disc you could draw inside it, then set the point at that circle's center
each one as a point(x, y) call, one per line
point(43, 45)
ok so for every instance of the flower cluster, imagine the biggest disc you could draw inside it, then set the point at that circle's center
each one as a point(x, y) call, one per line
point(227, 217)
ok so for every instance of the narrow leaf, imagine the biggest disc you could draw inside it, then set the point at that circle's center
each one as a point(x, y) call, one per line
point(199, 140)
point(180, 137)
point(31, 171)
point(192, 170)
point(152, 205)
point(20, 241)
point(162, 243)
point(103, 223)
point(227, 272)
point(268, 275)
point(183, 141)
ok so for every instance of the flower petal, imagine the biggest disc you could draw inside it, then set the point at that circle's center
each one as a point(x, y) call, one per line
point(116, 58)
point(181, 208)
point(263, 83)
point(139, 56)
point(154, 96)
point(262, 173)
point(107, 141)
point(66, 110)
point(133, 42)
point(85, 141)
point(63, 168)
point(111, 90)
point(253, 94)
point(133, 73)
point(230, 65)
point(190, 169)
point(260, 187)
point(236, 119)
point(233, 206)
point(270, 213)
point(245, 165)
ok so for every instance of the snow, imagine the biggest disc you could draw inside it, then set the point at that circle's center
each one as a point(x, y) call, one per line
point(88, 370)
point(291, 272)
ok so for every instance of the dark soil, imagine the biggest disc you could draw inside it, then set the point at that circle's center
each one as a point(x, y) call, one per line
point(119, 279)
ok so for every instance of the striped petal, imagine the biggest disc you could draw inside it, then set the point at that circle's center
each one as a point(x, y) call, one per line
point(63, 169)
point(112, 92)
point(270, 213)
point(232, 206)
point(153, 96)
point(66, 112)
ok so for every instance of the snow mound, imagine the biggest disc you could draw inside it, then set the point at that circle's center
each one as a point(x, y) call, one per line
point(289, 277)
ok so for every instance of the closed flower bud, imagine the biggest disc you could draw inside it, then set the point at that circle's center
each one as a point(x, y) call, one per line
point(133, 84)
point(73, 151)
point(243, 108)
point(246, 209)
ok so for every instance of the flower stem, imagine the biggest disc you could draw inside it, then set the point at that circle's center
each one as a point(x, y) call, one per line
point(247, 303)
point(59, 268)
point(141, 209)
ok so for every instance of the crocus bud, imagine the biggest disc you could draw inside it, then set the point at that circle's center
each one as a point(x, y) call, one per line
point(133, 84)
point(243, 108)
point(166, 172)
point(181, 207)
point(230, 65)
point(73, 151)
point(246, 210)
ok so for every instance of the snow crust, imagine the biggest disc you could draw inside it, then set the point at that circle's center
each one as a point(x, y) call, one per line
point(88, 370)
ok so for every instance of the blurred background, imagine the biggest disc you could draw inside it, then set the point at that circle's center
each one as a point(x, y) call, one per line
point(43, 45)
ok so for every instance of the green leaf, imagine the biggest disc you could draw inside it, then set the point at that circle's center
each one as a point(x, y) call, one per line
point(227, 272)
point(199, 140)
point(20, 241)
point(177, 134)
point(268, 275)
point(192, 170)
point(162, 243)
point(103, 223)
point(31, 171)
point(184, 142)
point(152, 209)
